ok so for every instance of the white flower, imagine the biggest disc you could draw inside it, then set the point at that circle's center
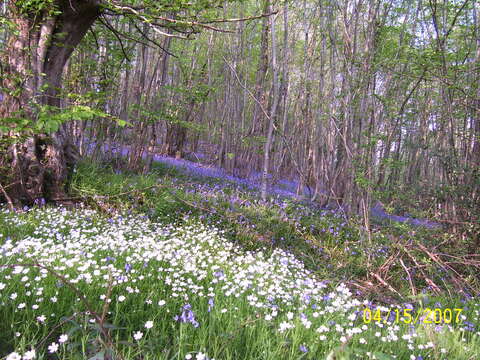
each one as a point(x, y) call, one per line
point(41, 318)
point(188, 357)
point(201, 356)
point(29, 355)
point(2, 286)
point(289, 315)
point(14, 356)
point(149, 324)
point(284, 326)
point(161, 302)
point(306, 323)
point(322, 329)
point(63, 338)
point(138, 335)
point(121, 298)
point(53, 348)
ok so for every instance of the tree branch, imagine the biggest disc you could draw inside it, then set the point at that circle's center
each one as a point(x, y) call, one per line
point(104, 21)
point(156, 43)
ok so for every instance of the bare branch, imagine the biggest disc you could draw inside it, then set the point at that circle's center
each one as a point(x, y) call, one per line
point(117, 34)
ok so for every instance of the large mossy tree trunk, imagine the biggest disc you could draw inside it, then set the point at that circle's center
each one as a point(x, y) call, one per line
point(37, 166)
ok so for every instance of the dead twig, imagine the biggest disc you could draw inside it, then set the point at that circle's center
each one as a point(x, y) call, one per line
point(384, 283)
point(414, 291)
point(434, 286)
point(456, 279)
point(7, 197)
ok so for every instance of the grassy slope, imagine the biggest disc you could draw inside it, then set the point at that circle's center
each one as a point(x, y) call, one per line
point(235, 321)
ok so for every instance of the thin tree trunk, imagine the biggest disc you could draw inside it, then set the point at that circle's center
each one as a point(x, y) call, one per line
point(273, 111)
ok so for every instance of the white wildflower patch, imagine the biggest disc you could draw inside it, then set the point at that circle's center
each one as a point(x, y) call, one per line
point(188, 275)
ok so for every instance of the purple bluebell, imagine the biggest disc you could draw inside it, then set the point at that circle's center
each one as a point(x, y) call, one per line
point(187, 316)
point(211, 303)
point(303, 348)
point(218, 274)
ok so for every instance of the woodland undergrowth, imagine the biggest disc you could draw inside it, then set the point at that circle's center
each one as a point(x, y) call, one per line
point(173, 266)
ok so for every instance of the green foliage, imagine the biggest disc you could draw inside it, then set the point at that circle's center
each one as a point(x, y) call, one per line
point(197, 93)
point(7, 24)
point(49, 119)
point(32, 7)
point(254, 141)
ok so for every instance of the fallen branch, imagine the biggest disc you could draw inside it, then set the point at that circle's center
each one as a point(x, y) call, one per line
point(384, 283)
point(414, 292)
point(9, 200)
point(445, 266)
point(427, 279)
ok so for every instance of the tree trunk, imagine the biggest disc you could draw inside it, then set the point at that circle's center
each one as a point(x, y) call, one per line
point(31, 76)
point(273, 112)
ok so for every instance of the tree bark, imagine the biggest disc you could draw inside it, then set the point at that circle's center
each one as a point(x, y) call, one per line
point(34, 59)
point(273, 112)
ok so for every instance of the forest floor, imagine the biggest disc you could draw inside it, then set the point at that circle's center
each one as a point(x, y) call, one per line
point(183, 263)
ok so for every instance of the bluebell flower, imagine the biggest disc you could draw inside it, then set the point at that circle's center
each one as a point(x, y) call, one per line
point(211, 303)
point(468, 326)
point(218, 273)
point(303, 348)
point(187, 316)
